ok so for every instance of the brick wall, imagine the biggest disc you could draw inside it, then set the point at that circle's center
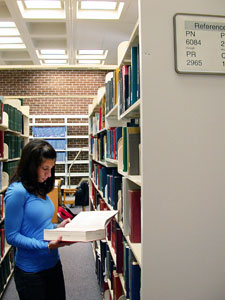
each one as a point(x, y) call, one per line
point(56, 83)
point(52, 83)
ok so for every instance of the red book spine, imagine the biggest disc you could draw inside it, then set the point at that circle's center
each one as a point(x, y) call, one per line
point(113, 233)
point(103, 205)
point(134, 197)
point(2, 234)
point(2, 144)
point(117, 286)
point(100, 119)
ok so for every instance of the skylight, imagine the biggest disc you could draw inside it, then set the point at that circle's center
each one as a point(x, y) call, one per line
point(51, 54)
point(47, 9)
point(99, 9)
point(34, 4)
point(98, 5)
point(54, 61)
point(53, 51)
point(7, 25)
point(91, 56)
point(89, 52)
point(10, 36)
point(89, 61)
point(12, 46)
point(8, 29)
point(10, 40)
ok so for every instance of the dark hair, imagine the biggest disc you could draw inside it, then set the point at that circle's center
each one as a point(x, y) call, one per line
point(33, 154)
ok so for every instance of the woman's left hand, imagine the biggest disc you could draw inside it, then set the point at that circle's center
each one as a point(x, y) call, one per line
point(64, 222)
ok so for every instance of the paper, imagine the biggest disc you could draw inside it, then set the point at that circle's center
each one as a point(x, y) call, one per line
point(85, 227)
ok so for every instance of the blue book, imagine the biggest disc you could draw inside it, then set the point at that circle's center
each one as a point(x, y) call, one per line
point(117, 182)
point(138, 74)
point(135, 281)
point(109, 188)
point(133, 75)
point(112, 189)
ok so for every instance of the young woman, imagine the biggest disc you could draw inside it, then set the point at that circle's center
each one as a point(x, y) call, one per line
point(28, 211)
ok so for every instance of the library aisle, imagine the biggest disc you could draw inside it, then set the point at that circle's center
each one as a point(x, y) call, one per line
point(79, 273)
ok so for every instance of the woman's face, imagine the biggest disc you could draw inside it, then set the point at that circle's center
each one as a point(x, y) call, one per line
point(44, 170)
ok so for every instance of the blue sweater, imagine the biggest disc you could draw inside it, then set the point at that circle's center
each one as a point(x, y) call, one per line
point(26, 217)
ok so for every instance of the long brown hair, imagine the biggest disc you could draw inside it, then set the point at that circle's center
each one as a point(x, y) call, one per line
point(33, 154)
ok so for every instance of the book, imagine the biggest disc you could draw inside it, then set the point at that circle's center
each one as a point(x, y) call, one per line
point(134, 74)
point(87, 226)
point(134, 197)
point(133, 141)
point(135, 281)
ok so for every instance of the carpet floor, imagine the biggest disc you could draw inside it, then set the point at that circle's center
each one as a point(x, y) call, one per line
point(79, 273)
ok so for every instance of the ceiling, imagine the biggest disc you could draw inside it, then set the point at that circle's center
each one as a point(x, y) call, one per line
point(65, 32)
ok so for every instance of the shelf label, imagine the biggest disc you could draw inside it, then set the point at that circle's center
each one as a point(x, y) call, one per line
point(199, 44)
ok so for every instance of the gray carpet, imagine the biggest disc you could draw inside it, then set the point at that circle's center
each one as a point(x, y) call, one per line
point(79, 272)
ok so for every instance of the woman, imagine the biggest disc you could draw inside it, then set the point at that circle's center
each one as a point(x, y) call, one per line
point(28, 211)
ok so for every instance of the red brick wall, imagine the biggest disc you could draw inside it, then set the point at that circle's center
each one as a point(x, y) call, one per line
point(56, 83)
point(52, 83)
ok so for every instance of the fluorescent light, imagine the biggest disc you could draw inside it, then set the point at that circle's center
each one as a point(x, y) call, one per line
point(89, 52)
point(55, 61)
point(99, 57)
point(12, 46)
point(32, 4)
point(52, 51)
point(51, 54)
point(89, 61)
point(98, 5)
point(99, 14)
point(7, 25)
point(9, 31)
point(10, 40)
point(43, 11)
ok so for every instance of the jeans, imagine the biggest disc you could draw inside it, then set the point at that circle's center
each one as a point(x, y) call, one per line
point(44, 285)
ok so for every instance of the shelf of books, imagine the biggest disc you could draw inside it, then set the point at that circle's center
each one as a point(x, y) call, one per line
point(114, 171)
point(14, 134)
point(68, 134)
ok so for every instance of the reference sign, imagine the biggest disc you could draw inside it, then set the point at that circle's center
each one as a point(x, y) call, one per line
point(199, 44)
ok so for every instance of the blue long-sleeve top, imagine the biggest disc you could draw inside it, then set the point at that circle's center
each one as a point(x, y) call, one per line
point(26, 217)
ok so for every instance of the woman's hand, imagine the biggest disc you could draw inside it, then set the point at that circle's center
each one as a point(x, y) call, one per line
point(63, 223)
point(58, 243)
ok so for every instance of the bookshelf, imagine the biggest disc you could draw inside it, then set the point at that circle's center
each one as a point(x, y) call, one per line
point(68, 134)
point(182, 189)
point(14, 130)
point(106, 124)
point(182, 164)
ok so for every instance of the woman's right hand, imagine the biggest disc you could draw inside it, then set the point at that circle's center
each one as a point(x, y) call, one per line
point(58, 243)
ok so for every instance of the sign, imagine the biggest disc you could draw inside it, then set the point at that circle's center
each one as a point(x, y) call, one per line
point(199, 44)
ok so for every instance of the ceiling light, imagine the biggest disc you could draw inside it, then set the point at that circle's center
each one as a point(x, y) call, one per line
point(33, 9)
point(10, 40)
point(55, 61)
point(12, 46)
point(89, 52)
point(89, 61)
point(51, 54)
point(9, 31)
point(99, 10)
point(34, 4)
point(98, 5)
point(7, 25)
point(52, 51)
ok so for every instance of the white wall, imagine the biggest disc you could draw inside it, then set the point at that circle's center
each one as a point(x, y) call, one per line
point(183, 140)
